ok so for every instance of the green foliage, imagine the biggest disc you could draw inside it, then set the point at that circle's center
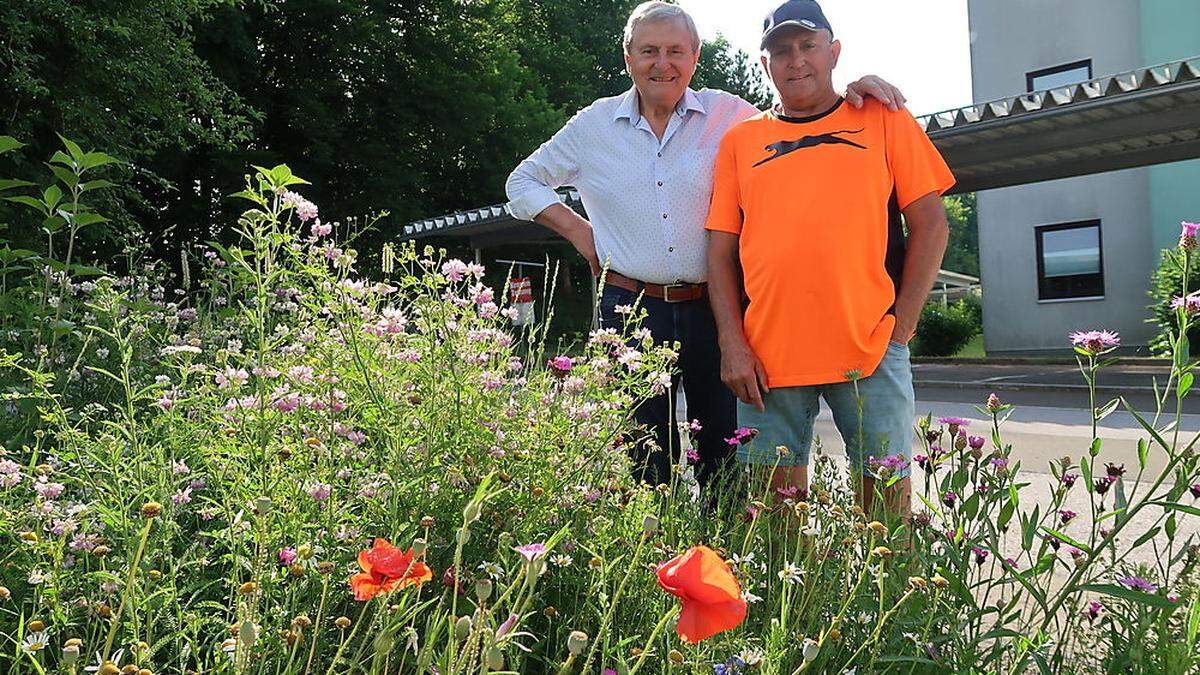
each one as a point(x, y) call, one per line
point(962, 251)
point(1166, 284)
point(944, 330)
point(722, 66)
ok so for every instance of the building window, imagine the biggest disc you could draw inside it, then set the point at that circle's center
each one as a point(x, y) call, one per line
point(1069, 261)
point(1059, 76)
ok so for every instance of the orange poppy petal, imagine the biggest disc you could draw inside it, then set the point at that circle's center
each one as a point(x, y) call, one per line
point(364, 560)
point(699, 574)
point(418, 574)
point(699, 621)
point(365, 586)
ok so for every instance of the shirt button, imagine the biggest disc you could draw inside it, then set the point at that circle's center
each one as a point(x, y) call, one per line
point(670, 249)
point(664, 216)
point(660, 183)
point(660, 154)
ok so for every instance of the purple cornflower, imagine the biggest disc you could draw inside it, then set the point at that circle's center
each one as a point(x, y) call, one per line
point(1065, 516)
point(1095, 342)
point(1190, 303)
point(955, 423)
point(1195, 490)
point(1103, 483)
point(1068, 479)
point(182, 497)
point(48, 490)
point(999, 462)
point(1187, 235)
point(742, 436)
point(924, 462)
point(949, 498)
point(1093, 610)
point(1052, 541)
point(319, 491)
point(976, 442)
point(980, 554)
point(1137, 584)
point(1114, 470)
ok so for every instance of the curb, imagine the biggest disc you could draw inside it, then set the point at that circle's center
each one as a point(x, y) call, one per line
point(1028, 386)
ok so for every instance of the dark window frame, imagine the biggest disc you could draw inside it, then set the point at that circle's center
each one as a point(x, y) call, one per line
point(1052, 70)
point(1083, 287)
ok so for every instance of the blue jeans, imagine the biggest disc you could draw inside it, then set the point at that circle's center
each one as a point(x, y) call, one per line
point(709, 401)
point(884, 428)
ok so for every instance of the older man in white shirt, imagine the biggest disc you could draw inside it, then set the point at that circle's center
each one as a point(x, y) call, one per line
point(642, 163)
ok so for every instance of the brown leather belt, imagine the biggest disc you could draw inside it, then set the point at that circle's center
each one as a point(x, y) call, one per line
point(679, 292)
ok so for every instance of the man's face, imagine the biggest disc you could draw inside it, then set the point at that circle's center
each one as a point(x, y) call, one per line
point(661, 59)
point(800, 63)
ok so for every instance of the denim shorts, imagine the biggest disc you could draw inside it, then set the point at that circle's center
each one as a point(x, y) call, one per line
point(886, 428)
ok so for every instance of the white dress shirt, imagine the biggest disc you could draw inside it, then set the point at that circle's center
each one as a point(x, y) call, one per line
point(647, 199)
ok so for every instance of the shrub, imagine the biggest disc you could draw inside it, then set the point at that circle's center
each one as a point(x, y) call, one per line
point(944, 330)
point(1165, 285)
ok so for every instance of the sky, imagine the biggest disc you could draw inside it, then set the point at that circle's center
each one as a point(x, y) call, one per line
point(921, 46)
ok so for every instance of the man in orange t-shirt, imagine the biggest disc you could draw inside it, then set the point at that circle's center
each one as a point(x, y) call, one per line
point(805, 222)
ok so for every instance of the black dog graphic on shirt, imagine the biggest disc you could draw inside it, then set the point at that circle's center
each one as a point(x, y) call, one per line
point(781, 148)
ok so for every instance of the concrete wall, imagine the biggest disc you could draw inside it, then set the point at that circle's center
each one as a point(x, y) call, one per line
point(1009, 39)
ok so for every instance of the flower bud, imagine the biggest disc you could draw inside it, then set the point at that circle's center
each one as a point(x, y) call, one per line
point(940, 581)
point(483, 589)
point(154, 575)
point(675, 656)
point(262, 506)
point(877, 528)
point(342, 622)
point(576, 642)
point(248, 588)
point(100, 551)
point(70, 655)
point(301, 621)
point(883, 551)
point(495, 658)
point(811, 649)
point(151, 510)
point(28, 537)
point(5, 594)
point(109, 668)
point(649, 524)
point(462, 628)
point(247, 633)
point(472, 512)
point(384, 643)
point(427, 521)
point(36, 626)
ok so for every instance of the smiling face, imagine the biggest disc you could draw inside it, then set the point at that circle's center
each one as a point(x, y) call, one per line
point(661, 58)
point(800, 63)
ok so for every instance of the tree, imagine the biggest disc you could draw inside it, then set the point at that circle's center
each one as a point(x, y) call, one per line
point(962, 251)
point(722, 66)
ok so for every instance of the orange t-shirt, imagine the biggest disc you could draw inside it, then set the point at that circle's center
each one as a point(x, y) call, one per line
point(816, 203)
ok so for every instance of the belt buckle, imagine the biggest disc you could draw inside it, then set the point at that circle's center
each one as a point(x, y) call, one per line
point(667, 288)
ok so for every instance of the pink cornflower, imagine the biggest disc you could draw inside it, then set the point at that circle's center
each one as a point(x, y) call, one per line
point(287, 556)
point(1137, 584)
point(955, 423)
point(1190, 304)
point(1095, 342)
point(454, 269)
point(976, 442)
point(320, 229)
point(531, 552)
point(287, 403)
point(561, 364)
point(182, 497)
point(1065, 516)
point(1093, 610)
point(48, 490)
point(993, 403)
point(319, 491)
point(1187, 235)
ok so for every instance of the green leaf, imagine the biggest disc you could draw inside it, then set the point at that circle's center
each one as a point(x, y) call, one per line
point(96, 185)
point(10, 183)
point(1095, 449)
point(8, 144)
point(30, 202)
point(67, 176)
point(52, 196)
point(95, 159)
point(1116, 591)
point(72, 147)
point(1171, 526)
point(85, 219)
point(1085, 469)
point(1149, 534)
point(59, 158)
point(1185, 383)
point(1067, 540)
point(1172, 506)
point(1143, 452)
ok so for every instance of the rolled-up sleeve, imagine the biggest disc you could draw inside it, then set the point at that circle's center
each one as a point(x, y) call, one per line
point(530, 187)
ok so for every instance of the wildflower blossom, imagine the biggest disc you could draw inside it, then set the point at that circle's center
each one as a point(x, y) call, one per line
point(954, 423)
point(1137, 584)
point(1093, 610)
point(1095, 342)
point(386, 568)
point(1187, 235)
point(710, 595)
point(531, 552)
point(305, 210)
point(790, 574)
point(319, 491)
point(1190, 304)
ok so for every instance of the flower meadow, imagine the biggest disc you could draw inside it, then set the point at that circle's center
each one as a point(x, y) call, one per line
point(282, 462)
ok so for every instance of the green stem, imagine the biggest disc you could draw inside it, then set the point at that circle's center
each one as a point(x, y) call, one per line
point(137, 560)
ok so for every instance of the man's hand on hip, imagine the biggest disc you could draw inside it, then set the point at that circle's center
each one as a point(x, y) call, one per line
point(743, 373)
point(575, 229)
point(585, 242)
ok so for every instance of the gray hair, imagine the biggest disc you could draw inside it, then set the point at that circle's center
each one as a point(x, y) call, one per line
point(656, 10)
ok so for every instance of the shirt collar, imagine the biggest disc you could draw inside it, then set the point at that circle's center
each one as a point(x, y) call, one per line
point(628, 107)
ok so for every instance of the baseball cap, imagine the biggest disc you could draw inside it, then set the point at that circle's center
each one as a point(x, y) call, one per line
point(803, 13)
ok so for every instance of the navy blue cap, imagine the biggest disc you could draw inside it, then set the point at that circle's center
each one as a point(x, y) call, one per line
point(802, 13)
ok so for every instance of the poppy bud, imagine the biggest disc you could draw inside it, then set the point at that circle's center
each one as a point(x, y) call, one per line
point(262, 506)
point(302, 621)
point(247, 633)
point(5, 594)
point(109, 668)
point(472, 511)
point(649, 524)
point(483, 589)
point(462, 627)
point(419, 546)
point(70, 655)
point(940, 581)
point(495, 659)
point(576, 642)
point(100, 551)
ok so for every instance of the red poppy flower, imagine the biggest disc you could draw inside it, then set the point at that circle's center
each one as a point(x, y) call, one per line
point(386, 568)
point(710, 595)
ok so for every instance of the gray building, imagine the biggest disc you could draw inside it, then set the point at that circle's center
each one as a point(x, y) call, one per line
point(1076, 253)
